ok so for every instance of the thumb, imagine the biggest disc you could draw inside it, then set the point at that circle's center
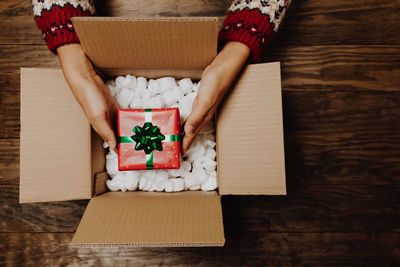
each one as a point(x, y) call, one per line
point(193, 125)
point(103, 127)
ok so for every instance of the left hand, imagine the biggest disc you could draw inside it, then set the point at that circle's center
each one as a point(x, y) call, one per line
point(215, 82)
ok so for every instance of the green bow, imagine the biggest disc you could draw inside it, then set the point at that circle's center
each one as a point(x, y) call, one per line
point(147, 138)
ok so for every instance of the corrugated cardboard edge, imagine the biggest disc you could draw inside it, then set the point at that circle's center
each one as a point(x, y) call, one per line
point(255, 96)
point(148, 245)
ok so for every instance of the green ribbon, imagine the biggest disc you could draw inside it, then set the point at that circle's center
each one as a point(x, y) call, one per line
point(148, 138)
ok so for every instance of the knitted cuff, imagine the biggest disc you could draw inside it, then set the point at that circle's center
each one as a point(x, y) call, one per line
point(57, 27)
point(249, 27)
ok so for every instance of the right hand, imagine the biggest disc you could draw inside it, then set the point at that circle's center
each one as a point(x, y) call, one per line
point(90, 91)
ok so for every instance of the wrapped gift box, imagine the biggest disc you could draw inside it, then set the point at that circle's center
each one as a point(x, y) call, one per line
point(148, 139)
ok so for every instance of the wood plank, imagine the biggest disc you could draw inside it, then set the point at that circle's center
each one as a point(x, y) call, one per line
point(311, 68)
point(317, 249)
point(17, 23)
point(316, 208)
point(342, 114)
point(306, 208)
point(9, 161)
point(337, 68)
point(317, 161)
point(13, 57)
point(9, 114)
point(328, 22)
point(63, 216)
point(311, 22)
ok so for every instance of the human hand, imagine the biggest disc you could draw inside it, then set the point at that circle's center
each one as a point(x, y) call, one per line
point(89, 90)
point(215, 82)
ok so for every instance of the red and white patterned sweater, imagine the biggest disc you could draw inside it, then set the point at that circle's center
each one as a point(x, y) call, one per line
point(251, 22)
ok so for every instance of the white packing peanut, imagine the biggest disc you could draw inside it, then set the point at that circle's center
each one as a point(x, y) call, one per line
point(136, 103)
point(131, 180)
point(131, 82)
point(172, 96)
point(169, 186)
point(141, 83)
point(112, 163)
point(153, 87)
point(198, 168)
point(186, 85)
point(178, 184)
point(191, 180)
point(200, 174)
point(210, 184)
point(166, 83)
point(120, 82)
point(124, 98)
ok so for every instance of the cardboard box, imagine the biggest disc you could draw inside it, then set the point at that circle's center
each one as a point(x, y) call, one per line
point(62, 159)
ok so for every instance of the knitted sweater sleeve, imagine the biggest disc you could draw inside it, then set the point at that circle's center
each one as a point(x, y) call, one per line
point(252, 22)
point(53, 18)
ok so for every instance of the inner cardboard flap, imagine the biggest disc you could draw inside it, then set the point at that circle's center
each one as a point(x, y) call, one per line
point(250, 148)
point(149, 47)
point(151, 219)
point(55, 143)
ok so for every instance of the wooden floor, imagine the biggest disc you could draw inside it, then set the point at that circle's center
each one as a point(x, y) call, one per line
point(341, 93)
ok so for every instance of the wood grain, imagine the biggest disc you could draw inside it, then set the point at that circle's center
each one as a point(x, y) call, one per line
point(342, 114)
point(337, 68)
point(310, 68)
point(319, 161)
point(307, 22)
point(9, 161)
point(63, 216)
point(283, 249)
point(17, 23)
point(14, 57)
point(312, 22)
point(9, 114)
point(307, 208)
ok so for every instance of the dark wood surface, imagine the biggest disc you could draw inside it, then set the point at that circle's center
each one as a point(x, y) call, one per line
point(341, 82)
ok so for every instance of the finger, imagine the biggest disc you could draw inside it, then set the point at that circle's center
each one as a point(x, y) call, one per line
point(194, 123)
point(103, 127)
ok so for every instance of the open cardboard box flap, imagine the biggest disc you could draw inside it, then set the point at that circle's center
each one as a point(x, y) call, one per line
point(149, 219)
point(149, 47)
point(55, 154)
point(60, 154)
point(249, 134)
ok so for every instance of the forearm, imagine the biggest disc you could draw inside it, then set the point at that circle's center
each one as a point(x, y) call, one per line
point(227, 65)
point(53, 18)
point(253, 23)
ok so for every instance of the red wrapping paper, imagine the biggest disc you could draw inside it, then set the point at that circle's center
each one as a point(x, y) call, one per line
point(167, 120)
